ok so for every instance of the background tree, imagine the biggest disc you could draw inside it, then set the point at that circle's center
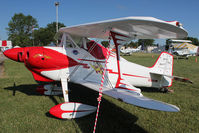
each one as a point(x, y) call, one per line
point(146, 42)
point(20, 29)
point(168, 41)
point(105, 43)
point(133, 44)
point(194, 40)
point(52, 27)
point(45, 36)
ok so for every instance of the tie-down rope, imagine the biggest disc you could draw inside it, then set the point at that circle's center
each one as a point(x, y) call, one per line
point(101, 85)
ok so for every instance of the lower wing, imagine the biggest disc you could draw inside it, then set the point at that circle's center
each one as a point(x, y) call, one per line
point(131, 97)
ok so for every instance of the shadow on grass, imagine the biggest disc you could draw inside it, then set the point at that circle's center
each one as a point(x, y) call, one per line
point(111, 117)
point(147, 89)
point(29, 89)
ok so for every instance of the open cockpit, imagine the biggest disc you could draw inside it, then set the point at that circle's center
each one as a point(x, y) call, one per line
point(91, 46)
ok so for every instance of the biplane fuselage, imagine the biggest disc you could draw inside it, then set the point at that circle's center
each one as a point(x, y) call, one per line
point(47, 64)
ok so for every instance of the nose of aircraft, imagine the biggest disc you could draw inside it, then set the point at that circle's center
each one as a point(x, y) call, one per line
point(14, 54)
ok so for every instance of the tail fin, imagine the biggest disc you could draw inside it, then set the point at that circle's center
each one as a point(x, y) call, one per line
point(139, 47)
point(164, 66)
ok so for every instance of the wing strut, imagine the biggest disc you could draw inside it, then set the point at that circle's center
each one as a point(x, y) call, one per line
point(64, 82)
point(118, 39)
point(113, 34)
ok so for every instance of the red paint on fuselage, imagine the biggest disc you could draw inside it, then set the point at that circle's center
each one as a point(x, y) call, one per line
point(14, 53)
point(96, 50)
point(38, 59)
point(38, 77)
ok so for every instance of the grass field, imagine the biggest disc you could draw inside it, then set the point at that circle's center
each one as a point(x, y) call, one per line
point(22, 109)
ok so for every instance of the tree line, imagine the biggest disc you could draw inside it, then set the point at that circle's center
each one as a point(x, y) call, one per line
point(24, 31)
point(135, 44)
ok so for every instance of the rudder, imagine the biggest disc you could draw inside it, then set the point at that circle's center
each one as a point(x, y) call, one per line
point(164, 66)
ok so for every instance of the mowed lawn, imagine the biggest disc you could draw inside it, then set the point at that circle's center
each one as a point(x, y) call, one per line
point(22, 109)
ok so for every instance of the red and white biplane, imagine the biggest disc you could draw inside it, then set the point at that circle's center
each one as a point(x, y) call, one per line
point(83, 61)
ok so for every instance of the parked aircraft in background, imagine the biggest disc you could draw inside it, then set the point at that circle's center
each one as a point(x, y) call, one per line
point(4, 45)
point(129, 51)
point(183, 48)
point(83, 61)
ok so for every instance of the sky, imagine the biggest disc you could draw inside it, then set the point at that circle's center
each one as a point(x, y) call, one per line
point(74, 12)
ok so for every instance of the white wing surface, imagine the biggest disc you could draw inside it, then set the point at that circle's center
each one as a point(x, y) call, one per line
point(133, 27)
point(133, 98)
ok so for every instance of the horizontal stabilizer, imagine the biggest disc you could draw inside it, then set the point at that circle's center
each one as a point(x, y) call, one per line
point(177, 78)
point(181, 79)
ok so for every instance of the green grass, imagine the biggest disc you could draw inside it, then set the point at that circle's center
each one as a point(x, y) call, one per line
point(22, 109)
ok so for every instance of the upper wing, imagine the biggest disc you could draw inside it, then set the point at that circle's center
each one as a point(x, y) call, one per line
point(133, 27)
point(131, 97)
